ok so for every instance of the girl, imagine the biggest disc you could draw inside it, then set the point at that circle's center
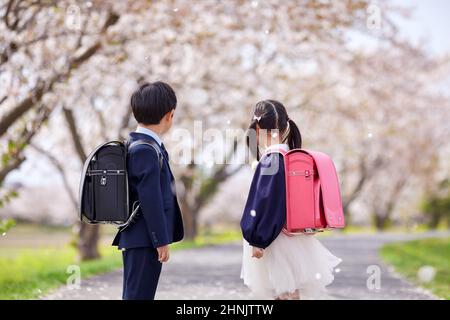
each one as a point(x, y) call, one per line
point(276, 265)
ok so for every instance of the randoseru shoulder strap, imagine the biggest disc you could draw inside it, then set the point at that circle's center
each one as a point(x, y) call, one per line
point(151, 144)
point(136, 204)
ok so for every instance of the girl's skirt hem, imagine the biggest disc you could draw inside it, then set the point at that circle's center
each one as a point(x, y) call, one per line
point(289, 264)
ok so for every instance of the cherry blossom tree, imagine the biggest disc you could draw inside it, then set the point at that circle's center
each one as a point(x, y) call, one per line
point(70, 67)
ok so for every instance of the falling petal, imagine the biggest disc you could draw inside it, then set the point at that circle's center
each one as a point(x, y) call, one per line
point(209, 163)
point(253, 213)
point(426, 274)
point(318, 276)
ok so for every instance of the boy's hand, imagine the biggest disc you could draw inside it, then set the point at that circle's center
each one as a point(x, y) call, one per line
point(163, 253)
point(257, 252)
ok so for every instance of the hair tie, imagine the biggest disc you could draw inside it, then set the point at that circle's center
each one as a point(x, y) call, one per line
point(257, 118)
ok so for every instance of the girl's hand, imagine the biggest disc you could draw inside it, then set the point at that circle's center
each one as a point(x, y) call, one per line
point(257, 252)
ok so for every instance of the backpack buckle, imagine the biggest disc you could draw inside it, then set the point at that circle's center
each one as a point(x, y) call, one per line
point(103, 179)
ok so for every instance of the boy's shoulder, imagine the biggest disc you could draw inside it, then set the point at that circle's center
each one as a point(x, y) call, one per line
point(141, 142)
point(144, 150)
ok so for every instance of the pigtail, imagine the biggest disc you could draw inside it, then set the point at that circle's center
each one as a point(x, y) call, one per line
point(295, 137)
point(252, 143)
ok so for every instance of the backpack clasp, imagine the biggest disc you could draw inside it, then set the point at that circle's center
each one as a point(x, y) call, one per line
point(103, 179)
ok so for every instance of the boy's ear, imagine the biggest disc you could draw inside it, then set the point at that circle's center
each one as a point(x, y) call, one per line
point(170, 114)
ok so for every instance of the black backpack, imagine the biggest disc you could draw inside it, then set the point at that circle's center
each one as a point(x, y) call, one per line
point(104, 194)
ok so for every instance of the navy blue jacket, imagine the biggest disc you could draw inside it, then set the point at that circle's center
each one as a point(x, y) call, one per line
point(159, 221)
point(265, 211)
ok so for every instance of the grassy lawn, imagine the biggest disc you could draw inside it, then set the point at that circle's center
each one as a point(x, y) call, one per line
point(408, 257)
point(28, 273)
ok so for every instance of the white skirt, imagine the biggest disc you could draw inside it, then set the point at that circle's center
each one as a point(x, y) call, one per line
point(293, 263)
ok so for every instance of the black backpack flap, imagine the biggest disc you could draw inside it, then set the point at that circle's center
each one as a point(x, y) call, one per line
point(104, 185)
point(110, 183)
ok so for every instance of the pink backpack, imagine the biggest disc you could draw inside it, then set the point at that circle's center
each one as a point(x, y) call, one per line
point(313, 198)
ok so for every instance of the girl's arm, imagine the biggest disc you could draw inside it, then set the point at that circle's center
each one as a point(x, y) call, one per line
point(265, 211)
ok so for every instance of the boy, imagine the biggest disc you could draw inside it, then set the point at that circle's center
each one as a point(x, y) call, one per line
point(145, 243)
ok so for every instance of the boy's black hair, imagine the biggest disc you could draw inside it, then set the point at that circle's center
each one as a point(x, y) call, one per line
point(152, 101)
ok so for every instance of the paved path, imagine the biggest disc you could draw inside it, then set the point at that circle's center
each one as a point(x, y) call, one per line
point(213, 273)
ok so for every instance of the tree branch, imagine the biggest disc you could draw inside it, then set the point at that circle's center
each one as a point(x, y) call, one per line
point(20, 109)
point(44, 87)
point(76, 138)
point(365, 174)
point(124, 123)
point(27, 134)
point(57, 164)
point(219, 176)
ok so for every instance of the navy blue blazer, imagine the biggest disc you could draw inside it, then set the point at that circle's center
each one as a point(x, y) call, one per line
point(265, 211)
point(159, 220)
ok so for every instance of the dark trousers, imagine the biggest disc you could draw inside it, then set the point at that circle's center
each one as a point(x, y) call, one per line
point(141, 270)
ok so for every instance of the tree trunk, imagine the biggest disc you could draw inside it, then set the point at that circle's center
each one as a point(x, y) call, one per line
point(190, 224)
point(87, 242)
point(88, 235)
point(382, 222)
point(348, 216)
point(435, 219)
point(189, 220)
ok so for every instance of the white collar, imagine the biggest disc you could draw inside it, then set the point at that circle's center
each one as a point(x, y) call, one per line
point(150, 133)
point(278, 146)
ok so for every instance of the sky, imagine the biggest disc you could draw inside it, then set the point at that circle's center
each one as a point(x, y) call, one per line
point(430, 21)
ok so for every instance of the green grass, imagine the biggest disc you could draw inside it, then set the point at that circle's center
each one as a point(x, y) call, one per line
point(408, 257)
point(29, 273)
